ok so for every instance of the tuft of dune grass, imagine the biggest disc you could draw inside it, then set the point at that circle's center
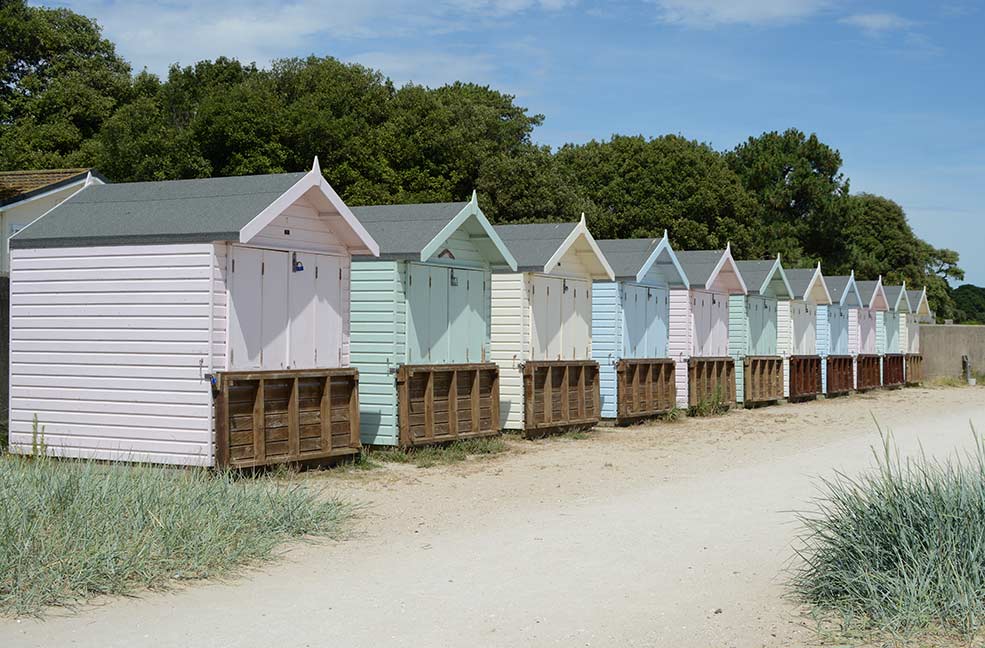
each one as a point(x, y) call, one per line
point(72, 530)
point(901, 549)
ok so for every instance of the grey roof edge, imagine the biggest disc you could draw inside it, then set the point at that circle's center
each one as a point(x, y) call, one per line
point(113, 241)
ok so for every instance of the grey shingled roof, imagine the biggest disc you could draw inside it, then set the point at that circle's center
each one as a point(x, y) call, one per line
point(171, 211)
point(892, 295)
point(799, 280)
point(837, 285)
point(754, 273)
point(403, 231)
point(627, 256)
point(533, 244)
point(914, 297)
point(699, 264)
point(866, 289)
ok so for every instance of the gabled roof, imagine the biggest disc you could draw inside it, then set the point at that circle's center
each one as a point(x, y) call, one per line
point(539, 247)
point(808, 285)
point(22, 186)
point(632, 259)
point(918, 301)
point(189, 211)
point(844, 290)
point(873, 295)
point(897, 299)
point(765, 278)
point(417, 232)
point(704, 268)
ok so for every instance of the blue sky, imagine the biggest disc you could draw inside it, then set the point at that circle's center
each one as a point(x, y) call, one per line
point(897, 87)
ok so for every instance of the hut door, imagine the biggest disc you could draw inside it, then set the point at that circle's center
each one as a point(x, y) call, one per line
point(891, 321)
point(545, 311)
point(867, 330)
point(635, 321)
point(657, 318)
point(466, 315)
point(804, 328)
point(837, 330)
point(258, 309)
point(576, 318)
point(913, 334)
point(718, 326)
point(702, 322)
point(328, 311)
point(428, 301)
point(314, 296)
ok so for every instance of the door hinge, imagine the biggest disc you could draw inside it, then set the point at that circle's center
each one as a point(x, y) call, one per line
point(340, 274)
point(429, 281)
point(316, 272)
point(234, 265)
point(262, 268)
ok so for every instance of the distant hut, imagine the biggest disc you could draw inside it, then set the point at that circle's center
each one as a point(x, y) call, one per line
point(799, 341)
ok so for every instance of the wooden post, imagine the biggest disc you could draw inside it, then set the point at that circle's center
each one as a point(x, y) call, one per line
point(494, 400)
point(582, 414)
point(354, 422)
point(221, 428)
point(565, 395)
point(259, 426)
point(325, 412)
point(549, 396)
point(293, 423)
point(403, 405)
point(474, 402)
point(429, 406)
point(453, 404)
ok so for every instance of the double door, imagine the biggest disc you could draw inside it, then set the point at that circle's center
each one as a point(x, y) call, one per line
point(285, 309)
point(447, 314)
point(561, 318)
point(709, 317)
point(646, 311)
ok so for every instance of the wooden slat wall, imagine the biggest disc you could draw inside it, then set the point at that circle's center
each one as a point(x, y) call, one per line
point(645, 387)
point(710, 379)
point(763, 379)
point(560, 394)
point(440, 403)
point(893, 370)
point(805, 376)
point(914, 369)
point(868, 371)
point(841, 374)
point(272, 417)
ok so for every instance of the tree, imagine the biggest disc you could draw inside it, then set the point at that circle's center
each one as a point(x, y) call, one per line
point(969, 301)
point(800, 190)
point(643, 186)
point(60, 80)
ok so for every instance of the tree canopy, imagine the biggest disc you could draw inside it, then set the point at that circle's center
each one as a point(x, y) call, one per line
point(68, 99)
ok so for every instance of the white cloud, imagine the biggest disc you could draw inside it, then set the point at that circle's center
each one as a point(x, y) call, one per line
point(877, 23)
point(155, 34)
point(712, 13)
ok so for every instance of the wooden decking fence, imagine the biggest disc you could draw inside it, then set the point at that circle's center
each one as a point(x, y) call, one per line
point(440, 403)
point(644, 387)
point(763, 377)
point(711, 382)
point(560, 395)
point(893, 370)
point(272, 417)
point(841, 375)
point(805, 377)
point(914, 369)
point(868, 372)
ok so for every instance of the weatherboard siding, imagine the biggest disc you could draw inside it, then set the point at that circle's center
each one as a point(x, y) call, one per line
point(607, 340)
point(680, 340)
point(784, 338)
point(110, 349)
point(377, 340)
point(823, 341)
point(510, 343)
point(738, 340)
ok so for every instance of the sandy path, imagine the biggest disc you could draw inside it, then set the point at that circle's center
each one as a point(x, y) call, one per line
point(634, 537)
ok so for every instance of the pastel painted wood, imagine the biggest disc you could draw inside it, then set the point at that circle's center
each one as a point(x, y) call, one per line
point(631, 315)
point(117, 332)
point(425, 303)
point(543, 311)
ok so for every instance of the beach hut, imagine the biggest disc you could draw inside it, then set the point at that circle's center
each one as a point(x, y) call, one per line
point(420, 324)
point(631, 326)
point(868, 362)
point(889, 342)
point(699, 327)
point(541, 327)
point(193, 322)
point(798, 342)
point(837, 334)
point(910, 333)
point(753, 336)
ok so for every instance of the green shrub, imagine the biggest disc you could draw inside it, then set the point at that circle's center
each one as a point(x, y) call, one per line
point(902, 548)
point(70, 530)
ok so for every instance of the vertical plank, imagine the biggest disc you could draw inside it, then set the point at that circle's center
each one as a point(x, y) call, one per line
point(259, 426)
point(581, 394)
point(549, 395)
point(453, 405)
point(429, 407)
point(403, 405)
point(354, 440)
point(529, 393)
point(474, 402)
point(325, 415)
point(565, 395)
point(596, 391)
point(293, 423)
point(494, 399)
